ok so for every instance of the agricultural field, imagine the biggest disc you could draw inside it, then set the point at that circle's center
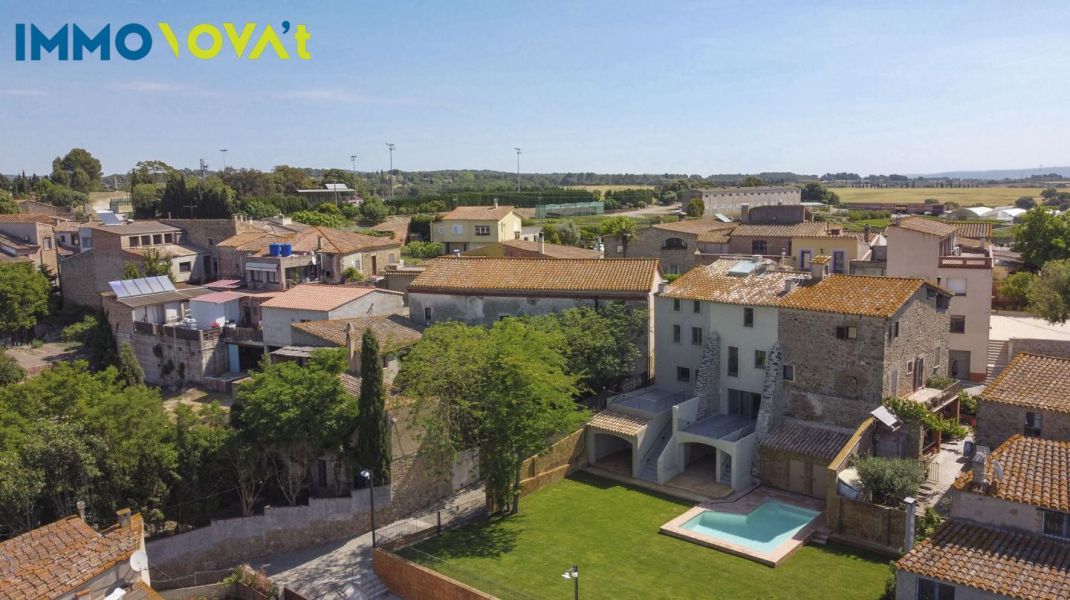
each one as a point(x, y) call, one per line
point(602, 189)
point(989, 196)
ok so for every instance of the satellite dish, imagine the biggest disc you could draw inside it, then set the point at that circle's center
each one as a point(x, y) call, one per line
point(139, 561)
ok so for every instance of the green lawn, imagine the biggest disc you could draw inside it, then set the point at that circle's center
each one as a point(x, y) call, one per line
point(611, 532)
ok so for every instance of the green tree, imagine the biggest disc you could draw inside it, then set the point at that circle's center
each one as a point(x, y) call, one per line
point(290, 179)
point(620, 227)
point(130, 271)
point(192, 198)
point(61, 195)
point(155, 263)
point(149, 171)
point(550, 235)
point(751, 181)
point(888, 480)
point(21, 487)
point(129, 369)
point(1049, 194)
point(77, 169)
point(601, 344)
point(1049, 293)
point(1041, 236)
point(1025, 202)
point(695, 207)
point(297, 413)
point(373, 433)
point(568, 233)
point(318, 218)
point(8, 206)
point(372, 211)
point(201, 438)
point(1016, 287)
point(24, 294)
point(506, 390)
point(145, 198)
point(10, 371)
point(424, 250)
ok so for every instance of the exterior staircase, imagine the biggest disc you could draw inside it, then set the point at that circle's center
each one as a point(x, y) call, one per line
point(997, 359)
point(366, 585)
point(819, 537)
point(648, 467)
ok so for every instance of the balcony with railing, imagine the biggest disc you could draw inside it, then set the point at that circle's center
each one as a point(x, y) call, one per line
point(176, 331)
point(243, 334)
point(965, 262)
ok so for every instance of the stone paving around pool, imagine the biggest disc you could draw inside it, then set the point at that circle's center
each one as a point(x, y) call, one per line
point(743, 506)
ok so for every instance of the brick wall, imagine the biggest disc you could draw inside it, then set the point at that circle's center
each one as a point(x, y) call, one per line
point(411, 581)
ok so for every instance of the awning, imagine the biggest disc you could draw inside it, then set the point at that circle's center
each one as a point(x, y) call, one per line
point(261, 267)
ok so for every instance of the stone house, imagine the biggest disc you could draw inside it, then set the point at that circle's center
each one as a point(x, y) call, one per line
point(674, 244)
point(1030, 397)
point(519, 248)
point(68, 560)
point(732, 201)
point(930, 249)
point(30, 237)
point(1009, 531)
point(395, 333)
point(469, 227)
point(313, 302)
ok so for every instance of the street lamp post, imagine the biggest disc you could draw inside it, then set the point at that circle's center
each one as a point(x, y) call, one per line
point(574, 575)
point(223, 153)
point(391, 148)
point(517, 168)
point(353, 157)
point(367, 475)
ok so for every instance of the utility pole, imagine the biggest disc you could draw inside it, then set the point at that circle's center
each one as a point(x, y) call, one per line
point(353, 157)
point(391, 148)
point(517, 168)
point(223, 153)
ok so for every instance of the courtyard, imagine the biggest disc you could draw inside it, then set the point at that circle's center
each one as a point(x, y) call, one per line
point(610, 530)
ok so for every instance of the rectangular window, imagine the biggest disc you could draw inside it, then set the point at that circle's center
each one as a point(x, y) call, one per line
point(458, 229)
point(146, 240)
point(321, 473)
point(482, 229)
point(934, 590)
point(846, 332)
point(135, 241)
point(958, 324)
point(733, 361)
point(683, 374)
point(157, 239)
point(272, 276)
point(185, 267)
point(168, 238)
point(696, 307)
point(957, 285)
point(759, 359)
point(48, 243)
point(804, 259)
point(759, 247)
point(676, 305)
point(789, 372)
point(696, 336)
point(676, 333)
point(839, 262)
point(744, 403)
point(427, 314)
point(1056, 524)
point(748, 317)
point(1033, 421)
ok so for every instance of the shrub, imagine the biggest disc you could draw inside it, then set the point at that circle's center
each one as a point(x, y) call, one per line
point(927, 524)
point(967, 404)
point(10, 371)
point(913, 412)
point(939, 382)
point(424, 249)
point(352, 275)
point(696, 207)
point(888, 480)
point(1016, 287)
point(77, 332)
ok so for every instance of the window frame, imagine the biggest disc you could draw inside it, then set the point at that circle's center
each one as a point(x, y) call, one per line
point(482, 230)
point(957, 319)
point(677, 334)
point(748, 316)
point(1064, 526)
point(847, 332)
point(785, 369)
point(696, 336)
point(1034, 424)
point(683, 374)
point(764, 356)
point(732, 364)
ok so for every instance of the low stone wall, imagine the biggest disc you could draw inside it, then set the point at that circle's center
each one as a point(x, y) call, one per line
point(227, 542)
point(411, 581)
point(563, 458)
point(870, 525)
point(1059, 348)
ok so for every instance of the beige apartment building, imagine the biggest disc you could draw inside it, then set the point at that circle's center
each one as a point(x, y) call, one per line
point(919, 247)
point(470, 227)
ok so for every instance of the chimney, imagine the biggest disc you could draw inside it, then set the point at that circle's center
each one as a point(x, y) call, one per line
point(789, 284)
point(744, 213)
point(980, 457)
point(599, 247)
point(819, 267)
point(662, 285)
point(81, 509)
point(516, 235)
point(908, 527)
point(352, 350)
point(542, 244)
point(124, 517)
point(495, 203)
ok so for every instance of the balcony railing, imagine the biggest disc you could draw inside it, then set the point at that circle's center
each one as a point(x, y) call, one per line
point(243, 334)
point(176, 331)
point(966, 262)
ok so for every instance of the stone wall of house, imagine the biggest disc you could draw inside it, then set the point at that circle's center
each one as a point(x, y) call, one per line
point(565, 457)
point(85, 275)
point(872, 525)
point(406, 579)
point(1059, 348)
point(774, 469)
point(996, 422)
point(989, 511)
point(172, 361)
point(650, 242)
point(773, 245)
point(206, 233)
point(776, 214)
point(906, 588)
point(924, 332)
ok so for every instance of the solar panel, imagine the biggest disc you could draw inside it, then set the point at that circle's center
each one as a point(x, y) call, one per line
point(742, 268)
point(107, 217)
point(129, 288)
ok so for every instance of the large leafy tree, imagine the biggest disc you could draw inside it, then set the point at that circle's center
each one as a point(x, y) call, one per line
point(505, 389)
point(202, 437)
point(620, 227)
point(1049, 292)
point(1041, 236)
point(24, 295)
point(249, 183)
point(8, 205)
point(10, 371)
point(297, 414)
point(373, 433)
point(192, 198)
point(78, 169)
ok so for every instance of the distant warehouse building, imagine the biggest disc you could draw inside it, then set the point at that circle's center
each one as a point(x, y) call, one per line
point(730, 200)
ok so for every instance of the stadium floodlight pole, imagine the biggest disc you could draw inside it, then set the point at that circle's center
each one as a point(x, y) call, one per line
point(391, 148)
point(223, 153)
point(353, 157)
point(517, 168)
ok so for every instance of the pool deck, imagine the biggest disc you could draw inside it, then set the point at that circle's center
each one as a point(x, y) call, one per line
point(745, 505)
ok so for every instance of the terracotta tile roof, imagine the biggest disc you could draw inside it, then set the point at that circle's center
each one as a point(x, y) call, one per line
point(1012, 565)
point(61, 556)
point(717, 236)
point(551, 250)
point(799, 437)
point(312, 296)
point(860, 295)
point(966, 242)
point(610, 420)
point(310, 239)
point(1035, 471)
point(30, 218)
point(712, 283)
point(471, 275)
point(219, 297)
point(796, 230)
point(394, 332)
point(240, 239)
point(477, 213)
point(927, 226)
point(821, 260)
point(695, 226)
point(973, 229)
point(350, 384)
point(1033, 381)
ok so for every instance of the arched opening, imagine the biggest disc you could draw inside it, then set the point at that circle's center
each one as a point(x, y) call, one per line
point(674, 243)
point(613, 453)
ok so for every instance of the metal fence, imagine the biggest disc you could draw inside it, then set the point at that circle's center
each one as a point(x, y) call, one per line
point(408, 531)
point(191, 580)
point(479, 581)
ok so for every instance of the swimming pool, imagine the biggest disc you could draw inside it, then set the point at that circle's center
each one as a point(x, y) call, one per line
point(762, 530)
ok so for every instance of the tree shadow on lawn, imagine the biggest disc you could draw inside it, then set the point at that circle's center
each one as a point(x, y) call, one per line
point(486, 539)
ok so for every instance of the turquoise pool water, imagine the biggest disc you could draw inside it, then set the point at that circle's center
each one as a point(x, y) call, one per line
point(763, 529)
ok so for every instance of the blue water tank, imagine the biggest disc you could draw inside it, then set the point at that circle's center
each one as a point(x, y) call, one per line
point(274, 249)
point(287, 249)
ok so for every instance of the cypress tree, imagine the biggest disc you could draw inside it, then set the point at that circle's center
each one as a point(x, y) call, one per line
point(373, 433)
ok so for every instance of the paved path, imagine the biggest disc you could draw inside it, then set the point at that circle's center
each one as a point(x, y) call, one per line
point(327, 570)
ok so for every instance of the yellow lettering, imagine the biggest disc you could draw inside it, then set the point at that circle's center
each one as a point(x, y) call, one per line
point(269, 37)
point(169, 35)
point(239, 42)
point(194, 36)
point(302, 35)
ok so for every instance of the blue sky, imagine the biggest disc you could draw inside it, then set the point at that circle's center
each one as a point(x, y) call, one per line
point(696, 87)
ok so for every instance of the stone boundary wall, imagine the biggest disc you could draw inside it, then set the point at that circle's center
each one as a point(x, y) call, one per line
point(227, 542)
point(870, 526)
point(564, 457)
point(1058, 348)
point(411, 581)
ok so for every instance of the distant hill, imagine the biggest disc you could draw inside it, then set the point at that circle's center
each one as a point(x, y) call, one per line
point(998, 174)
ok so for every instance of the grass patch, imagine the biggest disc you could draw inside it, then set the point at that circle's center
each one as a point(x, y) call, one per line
point(611, 532)
point(989, 196)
